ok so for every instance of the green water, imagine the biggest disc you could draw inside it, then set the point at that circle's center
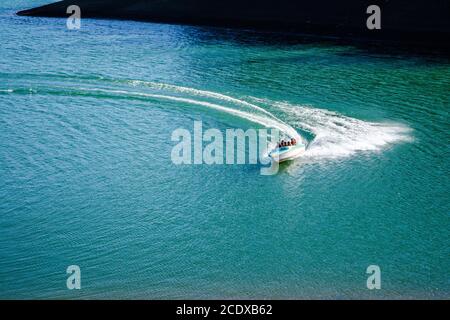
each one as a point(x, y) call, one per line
point(86, 176)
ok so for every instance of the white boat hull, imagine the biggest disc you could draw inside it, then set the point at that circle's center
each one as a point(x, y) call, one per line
point(287, 153)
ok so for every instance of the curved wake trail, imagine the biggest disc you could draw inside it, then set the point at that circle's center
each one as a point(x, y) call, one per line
point(264, 121)
point(273, 121)
point(336, 135)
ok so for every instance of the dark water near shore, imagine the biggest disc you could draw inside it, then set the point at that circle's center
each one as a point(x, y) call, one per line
point(86, 178)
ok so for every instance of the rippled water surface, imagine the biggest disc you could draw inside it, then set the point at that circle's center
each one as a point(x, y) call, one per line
point(86, 177)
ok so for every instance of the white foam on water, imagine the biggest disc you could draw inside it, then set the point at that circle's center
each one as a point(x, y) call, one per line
point(259, 119)
point(336, 135)
point(280, 125)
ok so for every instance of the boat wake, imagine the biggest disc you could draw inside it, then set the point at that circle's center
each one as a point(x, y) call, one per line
point(332, 134)
point(335, 135)
point(238, 107)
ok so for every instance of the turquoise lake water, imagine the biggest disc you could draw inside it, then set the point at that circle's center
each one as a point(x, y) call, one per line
point(86, 176)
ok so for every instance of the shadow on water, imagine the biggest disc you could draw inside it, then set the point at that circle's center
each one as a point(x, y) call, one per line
point(438, 52)
point(284, 166)
point(340, 46)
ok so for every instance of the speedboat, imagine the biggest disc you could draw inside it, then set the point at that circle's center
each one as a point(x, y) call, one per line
point(286, 153)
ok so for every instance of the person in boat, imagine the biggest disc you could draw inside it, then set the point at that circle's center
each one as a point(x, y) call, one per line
point(290, 143)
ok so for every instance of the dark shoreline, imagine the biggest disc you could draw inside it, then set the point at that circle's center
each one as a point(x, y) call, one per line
point(404, 23)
